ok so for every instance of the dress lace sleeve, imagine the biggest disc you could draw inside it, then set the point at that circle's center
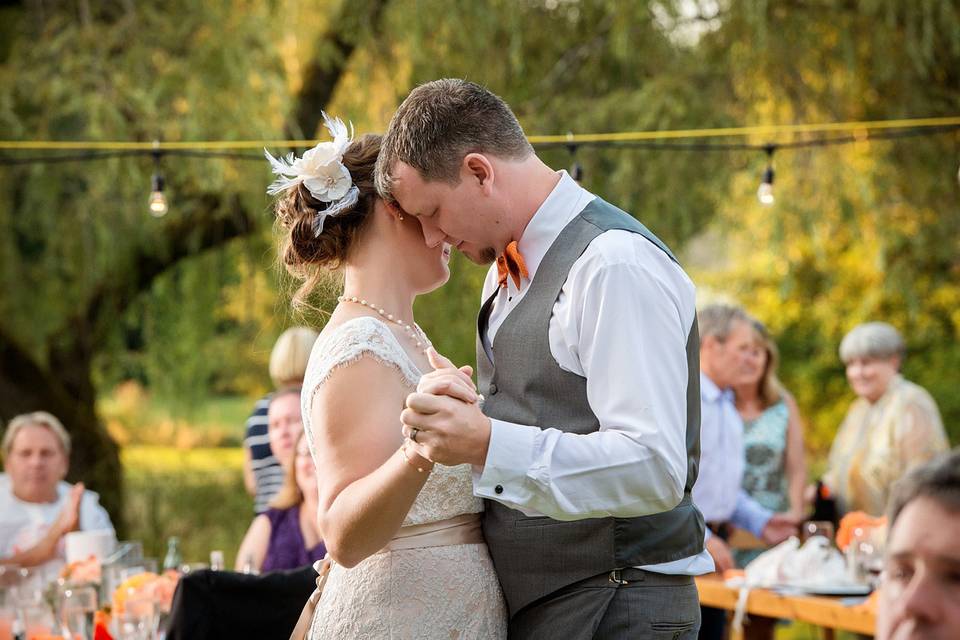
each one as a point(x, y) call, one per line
point(354, 339)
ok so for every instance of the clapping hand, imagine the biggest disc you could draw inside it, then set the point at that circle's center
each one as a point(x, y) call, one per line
point(69, 518)
point(443, 420)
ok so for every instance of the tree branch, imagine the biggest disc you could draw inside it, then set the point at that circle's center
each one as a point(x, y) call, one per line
point(331, 56)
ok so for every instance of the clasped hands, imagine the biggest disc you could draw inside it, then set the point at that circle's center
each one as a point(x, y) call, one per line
point(442, 419)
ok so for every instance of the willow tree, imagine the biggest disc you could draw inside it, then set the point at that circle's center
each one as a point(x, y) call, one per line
point(78, 247)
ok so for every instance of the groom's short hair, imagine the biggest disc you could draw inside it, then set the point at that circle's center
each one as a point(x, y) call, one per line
point(442, 121)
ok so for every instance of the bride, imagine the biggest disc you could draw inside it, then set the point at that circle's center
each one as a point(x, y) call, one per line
point(403, 534)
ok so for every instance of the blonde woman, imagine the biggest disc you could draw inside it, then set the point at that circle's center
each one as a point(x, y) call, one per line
point(286, 535)
point(262, 472)
point(775, 469)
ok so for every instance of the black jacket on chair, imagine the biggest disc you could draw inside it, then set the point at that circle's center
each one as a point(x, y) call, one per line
point(224, 604)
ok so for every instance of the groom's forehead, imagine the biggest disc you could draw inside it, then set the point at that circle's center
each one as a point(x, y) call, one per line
point(410, 190)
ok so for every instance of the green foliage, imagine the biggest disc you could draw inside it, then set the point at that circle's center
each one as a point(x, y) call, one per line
point(160, 71)
point(135, 417)
point(196, 495)
point(860, 232)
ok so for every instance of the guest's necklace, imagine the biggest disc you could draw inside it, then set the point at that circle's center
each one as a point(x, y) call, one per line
point(414, 332)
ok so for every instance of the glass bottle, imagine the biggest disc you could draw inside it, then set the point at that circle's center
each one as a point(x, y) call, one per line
point(173, 559)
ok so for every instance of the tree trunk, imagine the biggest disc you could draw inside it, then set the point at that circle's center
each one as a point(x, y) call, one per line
point(26, 386)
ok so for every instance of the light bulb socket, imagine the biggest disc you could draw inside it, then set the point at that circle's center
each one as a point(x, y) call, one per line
point(767, 175)
point(156, 182)
point(576, 171)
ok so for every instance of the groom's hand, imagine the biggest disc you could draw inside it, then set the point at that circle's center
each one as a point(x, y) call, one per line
point(450, 428)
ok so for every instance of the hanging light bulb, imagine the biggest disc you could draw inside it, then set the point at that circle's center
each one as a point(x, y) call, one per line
point(765, 192)
point(158, 201)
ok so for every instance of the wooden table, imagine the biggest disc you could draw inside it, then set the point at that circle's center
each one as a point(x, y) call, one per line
point(817, 610)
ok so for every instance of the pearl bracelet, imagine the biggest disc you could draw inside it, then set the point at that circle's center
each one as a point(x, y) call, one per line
point(403, 452)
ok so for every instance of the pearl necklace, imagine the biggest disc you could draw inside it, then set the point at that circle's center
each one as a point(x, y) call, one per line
point(414, 332)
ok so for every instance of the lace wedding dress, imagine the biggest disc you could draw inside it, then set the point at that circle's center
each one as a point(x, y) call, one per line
point(442, 592)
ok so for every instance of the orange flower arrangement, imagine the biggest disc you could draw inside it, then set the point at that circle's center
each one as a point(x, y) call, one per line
point(853, 521)
point(82, 570)
point(148, 585)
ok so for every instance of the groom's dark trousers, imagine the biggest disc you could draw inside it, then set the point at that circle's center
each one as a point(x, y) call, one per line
point(631, 603)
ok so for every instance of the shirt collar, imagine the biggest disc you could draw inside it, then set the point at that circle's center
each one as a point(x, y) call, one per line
point(564, 203)
point(710, 392)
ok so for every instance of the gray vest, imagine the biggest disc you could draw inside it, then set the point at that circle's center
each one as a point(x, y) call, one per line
point(537, 556)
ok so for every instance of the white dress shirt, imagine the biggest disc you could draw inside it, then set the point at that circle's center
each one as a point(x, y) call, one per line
point(621, 321)
point(23, 524)
point(718, 491)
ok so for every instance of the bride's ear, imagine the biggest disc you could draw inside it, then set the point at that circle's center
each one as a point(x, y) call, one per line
point(391, 209)
point(478, 168)
point(394, 209)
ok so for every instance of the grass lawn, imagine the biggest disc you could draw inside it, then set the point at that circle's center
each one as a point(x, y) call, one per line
point(196, 494)
point(134, 417)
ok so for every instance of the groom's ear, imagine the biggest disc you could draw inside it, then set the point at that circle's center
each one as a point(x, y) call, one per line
point(479, 168)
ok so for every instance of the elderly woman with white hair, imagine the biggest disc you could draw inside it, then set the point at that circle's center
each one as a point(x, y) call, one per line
point(37, 508)
point(892, 426)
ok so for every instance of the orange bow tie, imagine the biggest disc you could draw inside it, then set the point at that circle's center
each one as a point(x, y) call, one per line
point(511, 263)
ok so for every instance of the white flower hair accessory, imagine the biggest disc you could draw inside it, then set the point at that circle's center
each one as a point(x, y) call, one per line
point(321, 171)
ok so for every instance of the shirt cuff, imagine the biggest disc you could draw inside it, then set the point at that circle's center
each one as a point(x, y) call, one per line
point(750, 515)
point(509, 456)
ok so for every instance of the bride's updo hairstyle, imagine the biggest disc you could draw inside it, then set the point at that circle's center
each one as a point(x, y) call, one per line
point(310, 258)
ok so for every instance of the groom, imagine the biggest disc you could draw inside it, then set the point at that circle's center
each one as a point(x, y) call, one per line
point(588, 443)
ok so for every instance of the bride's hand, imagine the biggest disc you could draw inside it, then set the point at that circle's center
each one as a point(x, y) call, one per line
point(448, 380)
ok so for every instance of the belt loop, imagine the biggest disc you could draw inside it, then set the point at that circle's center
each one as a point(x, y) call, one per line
point(616, 576)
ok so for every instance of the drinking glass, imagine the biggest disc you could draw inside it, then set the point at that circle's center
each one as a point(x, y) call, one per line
point(38, 619)
point(140, 619)
point(77, 608)
point(818, 528)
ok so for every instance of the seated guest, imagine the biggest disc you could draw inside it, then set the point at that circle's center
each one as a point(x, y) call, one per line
point(775, 471)
point(726, 335)
point(920, 594)
point(36, 507)
point(286, 536)
point(284, 425)
point(892, 426)
point(262, 473)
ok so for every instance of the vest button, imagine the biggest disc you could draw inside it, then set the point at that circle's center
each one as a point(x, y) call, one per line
point(493, 389)
point(498, 489)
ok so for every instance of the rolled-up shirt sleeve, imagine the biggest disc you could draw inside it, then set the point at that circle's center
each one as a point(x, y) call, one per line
point(625, 330)
point(750, 515)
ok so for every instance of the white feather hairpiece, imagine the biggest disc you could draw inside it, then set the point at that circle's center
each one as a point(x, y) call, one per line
point(321, 171)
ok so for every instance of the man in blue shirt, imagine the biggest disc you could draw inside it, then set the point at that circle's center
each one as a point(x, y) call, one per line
point(726, 336)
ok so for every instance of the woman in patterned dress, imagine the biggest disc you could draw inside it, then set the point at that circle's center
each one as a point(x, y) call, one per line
point(775, 468)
